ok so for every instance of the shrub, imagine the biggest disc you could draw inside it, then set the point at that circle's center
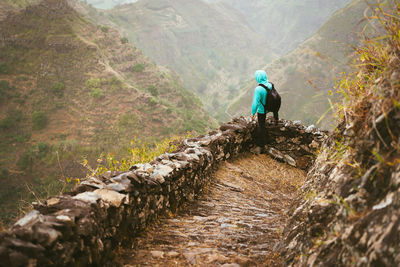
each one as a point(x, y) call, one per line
point(3, 69)
point(11, 121)
point(104, 29)
point(128, 121)
point(153, 101)
point(153, 90)
point(5, 85)
point(43, 148)
point(26, 160)
point(138, 67)
point(96, 93)
point(40, 120)
point(4, 173)
point(124, 40)
point(93, 83)
point(58, 89)
point(115, 84)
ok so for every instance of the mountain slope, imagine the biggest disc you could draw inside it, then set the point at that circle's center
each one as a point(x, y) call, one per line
point(285, 24)
point(210, 46)
point(70, 88)
point(305, 75)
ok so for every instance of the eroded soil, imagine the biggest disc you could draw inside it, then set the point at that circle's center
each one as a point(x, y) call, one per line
point(235, 223)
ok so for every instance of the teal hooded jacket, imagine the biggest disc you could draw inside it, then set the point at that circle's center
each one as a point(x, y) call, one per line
point(260, 92)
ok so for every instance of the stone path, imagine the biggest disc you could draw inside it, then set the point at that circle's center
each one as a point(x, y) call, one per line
point(235, 223)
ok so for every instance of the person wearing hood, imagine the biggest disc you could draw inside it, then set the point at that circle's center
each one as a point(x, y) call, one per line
point(258, 107)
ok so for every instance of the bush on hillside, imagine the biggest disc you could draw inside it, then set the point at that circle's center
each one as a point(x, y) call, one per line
point(4, 173)
point(138, 67)
point(11, 121)
point(153, 101)
point(104, 29)
point(153, 90)
point(96, 93)
point(5, 85)
point(39, 120)
point(58, 89)
point(43, 148)
point(93, 83)
point(25, 162)
point(128, 121)
point(3, 68)
point(124, 40)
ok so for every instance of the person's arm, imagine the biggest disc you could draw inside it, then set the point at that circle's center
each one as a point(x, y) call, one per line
point(256, 101)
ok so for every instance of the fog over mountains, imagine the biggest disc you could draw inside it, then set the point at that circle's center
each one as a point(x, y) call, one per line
point(215, 46)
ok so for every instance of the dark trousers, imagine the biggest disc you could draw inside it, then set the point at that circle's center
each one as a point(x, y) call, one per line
point(261, 132)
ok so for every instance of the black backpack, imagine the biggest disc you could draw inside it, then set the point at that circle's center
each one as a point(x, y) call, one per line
point(272, 101)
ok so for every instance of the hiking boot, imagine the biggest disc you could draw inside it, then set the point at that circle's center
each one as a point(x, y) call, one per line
point(256, 150)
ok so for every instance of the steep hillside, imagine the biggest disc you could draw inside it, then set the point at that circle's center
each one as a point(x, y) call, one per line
point(12, 5)
point(349, 213)
point(304, 76)
point(286, 24)
point(210, 46)
point(68, 89)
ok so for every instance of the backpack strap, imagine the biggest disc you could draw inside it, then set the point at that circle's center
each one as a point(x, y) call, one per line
point(266, 88)
point(262, 85)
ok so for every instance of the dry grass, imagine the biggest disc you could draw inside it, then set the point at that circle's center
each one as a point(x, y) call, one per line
point(371, 95)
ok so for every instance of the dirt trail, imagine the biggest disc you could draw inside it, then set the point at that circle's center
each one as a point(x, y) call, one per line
point(235, 223)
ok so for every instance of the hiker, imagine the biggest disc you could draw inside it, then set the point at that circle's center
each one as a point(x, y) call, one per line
point(259, 106)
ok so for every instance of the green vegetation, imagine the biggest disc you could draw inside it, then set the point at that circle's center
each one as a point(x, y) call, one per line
point(93, 83)
point(11, 121)
point(370, 104)
point(5, 85)
point(4, 173)
point(80, 127)
point(153, 90)
point(128, 121)
point(139, 152)
point(124, 40)
point(104, 29)
point(3, 68)
point(96, 93)
point(58, 89)
point(138, 67)
point(153, 101)
point(39, 120)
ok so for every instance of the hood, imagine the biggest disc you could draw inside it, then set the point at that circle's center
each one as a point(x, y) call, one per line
point(261, 77)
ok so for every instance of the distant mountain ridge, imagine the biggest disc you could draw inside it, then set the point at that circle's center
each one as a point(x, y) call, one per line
point(286, 24)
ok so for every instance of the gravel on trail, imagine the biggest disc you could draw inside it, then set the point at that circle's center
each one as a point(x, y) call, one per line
point(235, 222)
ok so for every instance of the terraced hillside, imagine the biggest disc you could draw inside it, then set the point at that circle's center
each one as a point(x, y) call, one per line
point(77, 89)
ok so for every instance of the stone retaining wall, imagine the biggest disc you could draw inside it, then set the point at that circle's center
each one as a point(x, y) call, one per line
point(85, 226)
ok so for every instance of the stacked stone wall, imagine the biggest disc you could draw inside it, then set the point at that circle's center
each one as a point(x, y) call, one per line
point(85, 227)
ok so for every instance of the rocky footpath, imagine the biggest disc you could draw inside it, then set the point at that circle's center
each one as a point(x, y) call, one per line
point(236, 222)
point(85, 226)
